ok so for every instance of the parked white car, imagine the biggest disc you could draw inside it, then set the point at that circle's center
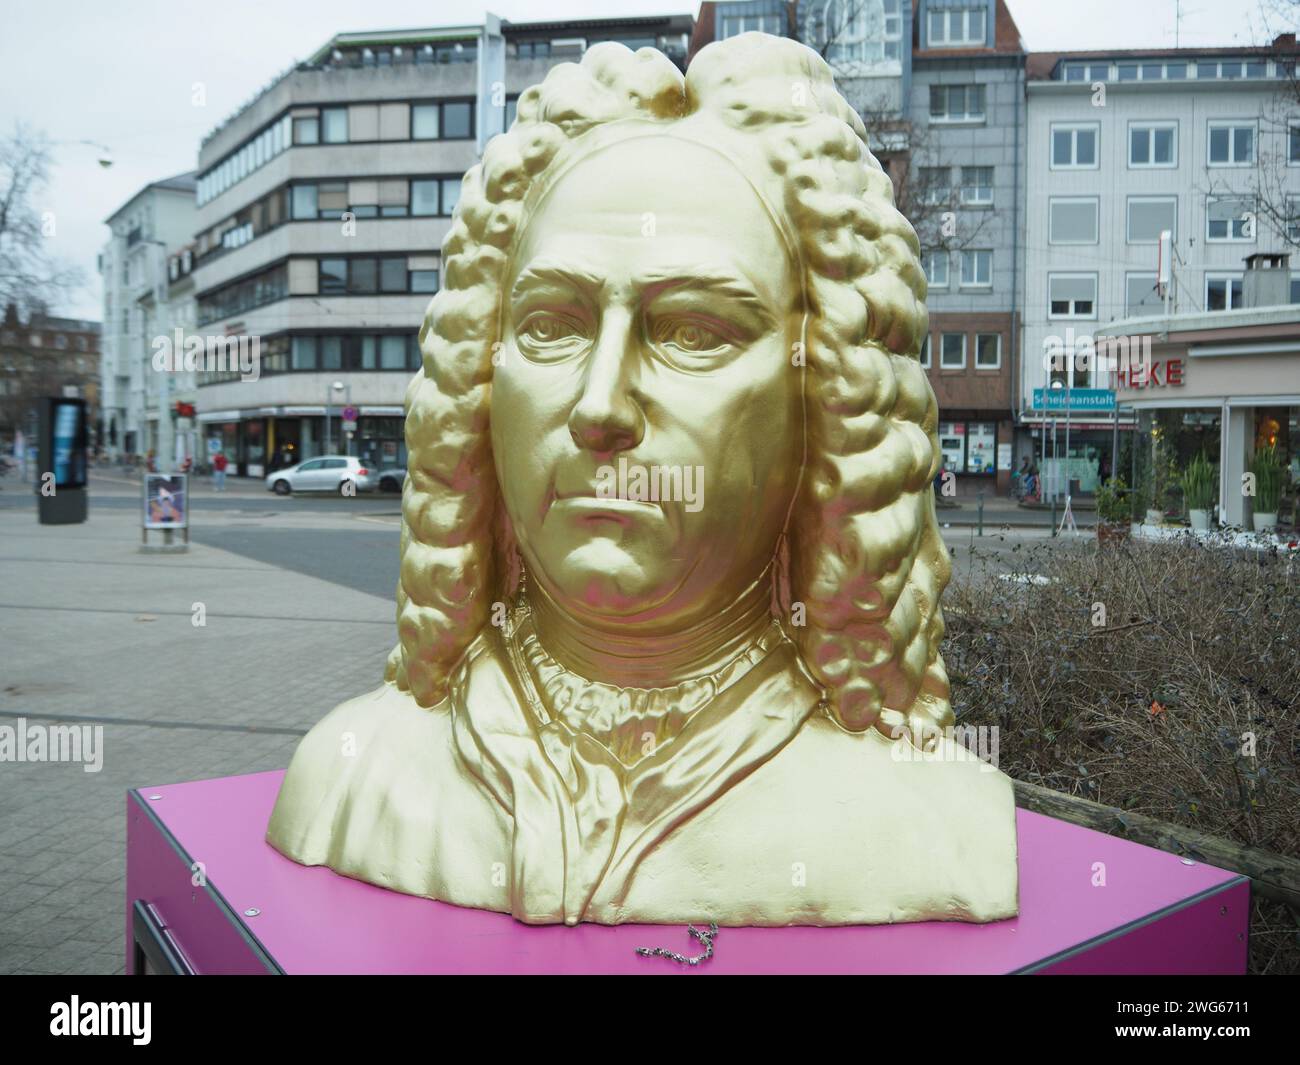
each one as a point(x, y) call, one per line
point(329, 473)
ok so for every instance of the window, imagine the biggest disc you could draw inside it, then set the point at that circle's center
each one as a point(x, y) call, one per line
point(1153, 145)
point(457, 121)
point(1222, 292)
point(333, 279)
point(1072, 220)
point(936, 268)
point(977, 185)
point(363, 276)
point(424, 197)
point(392, 275)
point(331, 199)
point(988, 351)
point(304, 201)
point(952, 351)
point(1074, 147)
point(1140, 296)
point(1149, 216)
point(844, 31)
point(1232, 144)
point(957, 26)
point(331, 353)
point(1293, 219)
point(1087, 72)
point(1230, 218)
point(303, 353)
point(334, 125)
point(976, 269)
point(392, 353)
point(1295, 288)
point(424, 280)
point(936, 184)
point(450, 195)
point(1293, 142)
point(957, 103)
point(424, 122)
point(734, 25)
point(1072, 295)
point(925, 352)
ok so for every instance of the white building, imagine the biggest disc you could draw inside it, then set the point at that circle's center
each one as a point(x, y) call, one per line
point(136, 403)
point(1120, 147)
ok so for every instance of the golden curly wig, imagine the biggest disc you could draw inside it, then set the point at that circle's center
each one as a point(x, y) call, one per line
point(862, 563)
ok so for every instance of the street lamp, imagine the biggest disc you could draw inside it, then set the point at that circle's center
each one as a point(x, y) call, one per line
point(346, 389)
point(105, 158)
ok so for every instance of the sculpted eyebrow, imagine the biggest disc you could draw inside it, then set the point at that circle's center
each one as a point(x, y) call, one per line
point(557, 276)
point(716, 283)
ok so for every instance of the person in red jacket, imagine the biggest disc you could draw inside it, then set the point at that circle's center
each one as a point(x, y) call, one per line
point(219, 464)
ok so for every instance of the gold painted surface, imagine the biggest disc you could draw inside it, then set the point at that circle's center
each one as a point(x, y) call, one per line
point(669, 605)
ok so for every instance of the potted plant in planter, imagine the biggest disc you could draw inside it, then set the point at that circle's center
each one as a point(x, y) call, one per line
point(1199, 485)
point(1112, 511)
point(1268, 487)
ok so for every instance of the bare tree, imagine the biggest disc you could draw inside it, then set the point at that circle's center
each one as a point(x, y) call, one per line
point(30, 277)
point(909, 151)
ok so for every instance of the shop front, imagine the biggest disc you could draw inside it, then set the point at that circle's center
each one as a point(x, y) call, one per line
point(977, 451)
point(260, 441)
point(1221, 389)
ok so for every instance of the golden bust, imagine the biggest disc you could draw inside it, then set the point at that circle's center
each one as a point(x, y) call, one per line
point(669, 603)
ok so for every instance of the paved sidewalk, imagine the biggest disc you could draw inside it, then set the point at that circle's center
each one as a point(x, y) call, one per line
point(93, 631)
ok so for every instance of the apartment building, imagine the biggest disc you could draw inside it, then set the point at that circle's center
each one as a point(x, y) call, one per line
point(322, 206)
point(965, 191)
point(136, 405)
point(939, 86)
point(1122, 146)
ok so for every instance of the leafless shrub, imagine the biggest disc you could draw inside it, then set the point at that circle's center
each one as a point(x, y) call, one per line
point(1158, 678)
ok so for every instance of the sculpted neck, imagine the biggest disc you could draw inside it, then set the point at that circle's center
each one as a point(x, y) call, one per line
point(633, 658)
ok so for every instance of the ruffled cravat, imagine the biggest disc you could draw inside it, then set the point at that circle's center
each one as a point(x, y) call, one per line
point(628, 722)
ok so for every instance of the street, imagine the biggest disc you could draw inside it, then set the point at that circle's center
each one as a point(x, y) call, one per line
point(296, 600)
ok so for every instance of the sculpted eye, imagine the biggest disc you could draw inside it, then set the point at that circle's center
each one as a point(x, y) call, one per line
point(548, 328)
point(690, 336)
point(545, 335)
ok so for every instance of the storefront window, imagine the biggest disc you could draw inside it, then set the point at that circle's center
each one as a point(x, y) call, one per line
point(981, 447)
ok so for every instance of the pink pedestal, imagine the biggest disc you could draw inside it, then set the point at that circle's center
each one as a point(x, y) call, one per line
point(1155, 914)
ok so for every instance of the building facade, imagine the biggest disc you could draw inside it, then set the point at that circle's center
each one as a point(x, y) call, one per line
point(939, 86)
point(1223, 384)
point(146, 232)
point(965, 191)
point(44, 356)
point(1124, 146)
point(322, 206)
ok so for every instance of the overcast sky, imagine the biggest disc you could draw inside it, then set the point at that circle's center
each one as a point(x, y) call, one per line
point(122, 73)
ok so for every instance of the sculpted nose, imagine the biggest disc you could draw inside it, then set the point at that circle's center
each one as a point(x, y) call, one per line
point(607, 417)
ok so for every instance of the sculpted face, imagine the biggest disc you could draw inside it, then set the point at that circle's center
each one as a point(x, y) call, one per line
point(647, 336)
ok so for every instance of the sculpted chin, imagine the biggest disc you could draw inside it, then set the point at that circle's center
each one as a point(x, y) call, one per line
point(668, 706)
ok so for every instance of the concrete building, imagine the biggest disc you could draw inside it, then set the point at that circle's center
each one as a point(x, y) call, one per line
point(1122, 146)
point(322, 207)
point(146, 231)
